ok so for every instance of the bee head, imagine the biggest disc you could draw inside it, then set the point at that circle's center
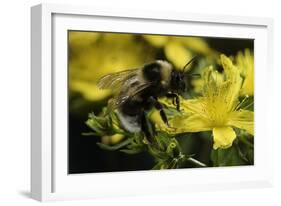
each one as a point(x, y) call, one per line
point(178, 81)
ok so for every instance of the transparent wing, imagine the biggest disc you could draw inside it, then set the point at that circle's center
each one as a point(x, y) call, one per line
point(115, 81)
point(123, 97)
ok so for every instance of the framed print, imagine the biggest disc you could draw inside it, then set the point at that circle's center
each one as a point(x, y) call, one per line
point(137, 102)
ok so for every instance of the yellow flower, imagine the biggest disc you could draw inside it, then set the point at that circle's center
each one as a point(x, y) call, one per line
point(245, 63)
point(217, 110)
point(198, 83)
point(179, 49)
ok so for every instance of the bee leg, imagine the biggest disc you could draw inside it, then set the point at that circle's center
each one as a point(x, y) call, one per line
point(178, 102)
point(175, 98)
point(159, 107)
point(146, 127)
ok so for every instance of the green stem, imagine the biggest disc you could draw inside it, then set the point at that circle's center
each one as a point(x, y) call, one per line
point(114, 147)
point(196, 162)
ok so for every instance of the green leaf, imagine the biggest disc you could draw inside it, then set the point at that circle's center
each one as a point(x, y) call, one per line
point(157, 153)
point(158, 166)
point(227, 157)
point(89, 134)
point(250, 156)
point(246, 147)
point(114, 147)
point(131, 151)
point(173, 164)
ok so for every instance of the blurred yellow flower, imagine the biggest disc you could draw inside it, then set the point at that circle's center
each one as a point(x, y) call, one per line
point(156, 40)
point(217, 110)
point(95, 54)
point(81, 39)
point(177, 54)
point(180, 49)
point(89, 90)
point(245, 63)
point(198, 45)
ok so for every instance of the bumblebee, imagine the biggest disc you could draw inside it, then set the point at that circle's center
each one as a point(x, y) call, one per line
point(137, 91)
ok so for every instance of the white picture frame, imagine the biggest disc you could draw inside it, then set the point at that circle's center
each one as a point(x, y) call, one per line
point(49, 178)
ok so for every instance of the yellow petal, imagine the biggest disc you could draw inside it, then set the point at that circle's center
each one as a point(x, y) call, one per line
point(168, 101)
point(248, 86)
point(243, 119)
point(192, 123)
point(156, 118)
point(194, 106)
point(155, 40)
point(177, 54)
point(197, 44)
point(89, 91)
point(234, 79)
point(223, 137)
point(245, 64)
point(228, 66)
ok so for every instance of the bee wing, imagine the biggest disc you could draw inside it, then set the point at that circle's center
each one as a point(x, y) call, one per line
point(120, 99)
point(114, 81)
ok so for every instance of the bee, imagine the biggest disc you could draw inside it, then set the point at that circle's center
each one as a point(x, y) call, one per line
point(137, 91)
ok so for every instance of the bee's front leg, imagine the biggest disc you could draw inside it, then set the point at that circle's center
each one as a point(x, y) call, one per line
point(160, 107)
point(175, 98)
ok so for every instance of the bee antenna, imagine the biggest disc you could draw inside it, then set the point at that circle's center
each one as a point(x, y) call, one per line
point(188, 63)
